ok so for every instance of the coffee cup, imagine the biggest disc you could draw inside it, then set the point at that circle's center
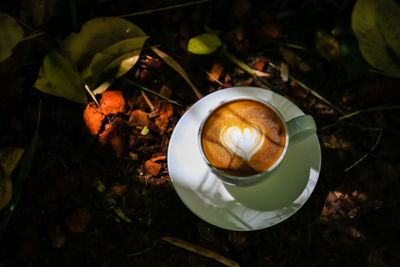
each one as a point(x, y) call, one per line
point(244, 139)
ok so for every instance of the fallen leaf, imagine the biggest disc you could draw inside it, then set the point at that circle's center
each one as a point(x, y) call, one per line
point(377, 28)
point(57, 237)
point(100, 186)
point(237, 238)
point(296, 90)
point(78, 220)
point(118, 190)
point(339, 205)
point(10, 157)
point(145, 131)
point(326, 45)
point(204, 44)
point(165, 91)
point(121, 214)
point(293, 60)
point(112, 134)
point(284, 72)
point(162, 120)
point(112, 102)
point(5, 188)
point(152, 167)
point(10, 35)
point(215, 72)
point(139, 118)
point(260, 63)
point(58, 77)
point(108, 44)
point(133, 156)
point(158, 158)
point(93, 118)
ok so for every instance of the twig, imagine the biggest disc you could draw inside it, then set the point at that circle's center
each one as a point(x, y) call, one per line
point(212, 77)
point(178, 68)
point(164, 8)
point(341, 123)
point(358, 112)
point(91, 94)
point(249, 70)
point(390, 74)
point(378, 139)
point(314, 93)
point(154, 93)
point(151, 106)
point(139, 252)
point(33, 36)
point(200, 250)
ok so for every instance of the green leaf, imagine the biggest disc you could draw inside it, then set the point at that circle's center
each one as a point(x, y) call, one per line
point(58, 77)
point(376, 25)
point(105, 44)
point(145, 131)
point(203, 44)
point(10, 157)
point(118, 58)
point(10, 35)
point(326, 45)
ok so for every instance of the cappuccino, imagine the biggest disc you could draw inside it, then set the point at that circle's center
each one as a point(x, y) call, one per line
point(243, 137)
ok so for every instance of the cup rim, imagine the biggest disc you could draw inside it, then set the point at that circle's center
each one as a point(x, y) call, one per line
point(243, 180)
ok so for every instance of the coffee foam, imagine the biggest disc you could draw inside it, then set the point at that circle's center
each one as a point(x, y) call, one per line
point(243, 142)
point(243, 137)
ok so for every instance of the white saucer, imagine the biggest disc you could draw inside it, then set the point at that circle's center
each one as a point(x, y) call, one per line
point(241, 208)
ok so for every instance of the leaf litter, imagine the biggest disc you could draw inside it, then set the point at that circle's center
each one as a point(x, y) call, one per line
point(100, 186)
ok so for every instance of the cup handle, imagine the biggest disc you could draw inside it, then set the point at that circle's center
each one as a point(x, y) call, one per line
point(301, 126)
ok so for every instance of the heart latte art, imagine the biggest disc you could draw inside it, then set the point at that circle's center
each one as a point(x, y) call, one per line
point(243, 137)
point(242, 142)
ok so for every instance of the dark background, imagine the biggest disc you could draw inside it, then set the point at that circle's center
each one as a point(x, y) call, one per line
point(64, 218)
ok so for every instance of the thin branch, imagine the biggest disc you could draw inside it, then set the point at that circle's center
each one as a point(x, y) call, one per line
point(212, 77)
point(151, 91)
point(200, 250)
point(151, 106)
point(178, 68)
point(249, 70)
point(378, 139)
point(314, 93)
point(358, 112)
point(164, 8)
point(91, 94)
point(33, 36)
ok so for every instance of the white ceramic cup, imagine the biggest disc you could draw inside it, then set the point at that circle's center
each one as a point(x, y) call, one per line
point(296, 128)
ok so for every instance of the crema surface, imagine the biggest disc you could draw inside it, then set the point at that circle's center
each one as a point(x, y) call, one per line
point(243, 137)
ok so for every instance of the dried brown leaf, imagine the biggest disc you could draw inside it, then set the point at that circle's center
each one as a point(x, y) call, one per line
point(139, 118)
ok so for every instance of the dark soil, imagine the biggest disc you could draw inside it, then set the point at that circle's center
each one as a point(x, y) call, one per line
point(100, 194)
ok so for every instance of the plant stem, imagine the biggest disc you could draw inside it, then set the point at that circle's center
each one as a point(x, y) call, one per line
point(91, 94)
point(151, 91)
point(164, 8)
point(358, 112)
point(378, 139)
point(33, 36)
point(247, 69)
point(314, 93)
